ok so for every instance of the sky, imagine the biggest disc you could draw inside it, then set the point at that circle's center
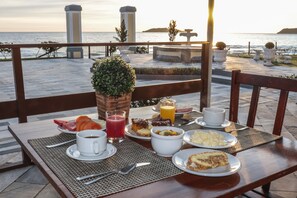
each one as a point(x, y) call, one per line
point(230, 16)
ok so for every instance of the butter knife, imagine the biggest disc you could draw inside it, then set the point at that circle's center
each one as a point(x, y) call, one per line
point(60, 144)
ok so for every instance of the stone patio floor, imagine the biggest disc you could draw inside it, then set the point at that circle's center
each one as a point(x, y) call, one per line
point(62, 76)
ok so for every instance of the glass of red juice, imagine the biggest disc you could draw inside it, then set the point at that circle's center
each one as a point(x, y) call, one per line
point(115, 125)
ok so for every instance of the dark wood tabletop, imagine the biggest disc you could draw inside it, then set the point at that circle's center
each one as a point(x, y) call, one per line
point(260, 165)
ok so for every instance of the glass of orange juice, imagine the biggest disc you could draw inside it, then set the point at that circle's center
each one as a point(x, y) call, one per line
point(167, 109)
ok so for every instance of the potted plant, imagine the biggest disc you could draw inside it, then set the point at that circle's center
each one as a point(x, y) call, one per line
point(269, 53)
point(220, 53)
point(113, 80)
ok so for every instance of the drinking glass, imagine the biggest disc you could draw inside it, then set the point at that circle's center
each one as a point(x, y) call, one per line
point(167, 109)
point(115, 125)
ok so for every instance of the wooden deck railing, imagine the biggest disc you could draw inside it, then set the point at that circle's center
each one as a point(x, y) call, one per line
point(22, 107)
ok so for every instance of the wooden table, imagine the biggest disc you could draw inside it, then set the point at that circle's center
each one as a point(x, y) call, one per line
point(260, 165)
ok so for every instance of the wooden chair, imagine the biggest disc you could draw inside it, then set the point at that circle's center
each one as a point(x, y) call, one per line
point(257, 81)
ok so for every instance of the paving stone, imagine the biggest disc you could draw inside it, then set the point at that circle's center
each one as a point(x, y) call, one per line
point(9, 158)
point(285, 194)
point(48, 192)
point(33, 176)
point(22, 190)
point(10, 176)
point(281, 184)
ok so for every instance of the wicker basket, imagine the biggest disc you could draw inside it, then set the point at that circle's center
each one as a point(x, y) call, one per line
point(109, 103)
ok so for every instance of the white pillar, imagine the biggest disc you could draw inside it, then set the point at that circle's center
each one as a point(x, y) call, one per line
point(74, 34)
point(128, 15)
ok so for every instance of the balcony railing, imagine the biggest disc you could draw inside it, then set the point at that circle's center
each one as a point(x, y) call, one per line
point(22, 107)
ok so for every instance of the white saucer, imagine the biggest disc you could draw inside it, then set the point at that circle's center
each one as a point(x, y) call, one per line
point(200, 122)
point(110, 151)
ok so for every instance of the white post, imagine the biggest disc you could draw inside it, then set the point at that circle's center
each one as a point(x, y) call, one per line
point(74, 34)
point(128, 15)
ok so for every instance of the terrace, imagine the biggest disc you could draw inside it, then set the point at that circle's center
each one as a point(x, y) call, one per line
point(41, 89)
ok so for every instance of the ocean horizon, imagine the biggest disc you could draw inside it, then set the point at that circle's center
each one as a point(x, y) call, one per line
point(237, 42)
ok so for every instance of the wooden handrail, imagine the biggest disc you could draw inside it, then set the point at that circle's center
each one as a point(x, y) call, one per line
point(98, 44)
point(22, 107)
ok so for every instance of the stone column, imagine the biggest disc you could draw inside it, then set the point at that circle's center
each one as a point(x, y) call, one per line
point(74, 34)
point(128, 15)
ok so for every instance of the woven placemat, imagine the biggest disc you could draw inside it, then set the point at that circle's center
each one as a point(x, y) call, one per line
point(67, 169)
point(246, 139)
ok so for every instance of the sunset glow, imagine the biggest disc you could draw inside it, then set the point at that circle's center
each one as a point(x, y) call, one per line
point(252, 16)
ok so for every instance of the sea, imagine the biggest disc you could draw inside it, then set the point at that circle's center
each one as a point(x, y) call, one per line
point(237, 42)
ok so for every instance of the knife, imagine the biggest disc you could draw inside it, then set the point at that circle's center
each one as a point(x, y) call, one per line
point(107, 172)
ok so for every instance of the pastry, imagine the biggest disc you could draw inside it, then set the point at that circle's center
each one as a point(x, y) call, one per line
point(138, 123)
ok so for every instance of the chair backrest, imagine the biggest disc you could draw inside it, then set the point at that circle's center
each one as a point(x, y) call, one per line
point(257, 81)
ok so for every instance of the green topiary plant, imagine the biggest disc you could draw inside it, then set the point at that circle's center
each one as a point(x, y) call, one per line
point(269, 45)
point(112, 76)
point(221, 45)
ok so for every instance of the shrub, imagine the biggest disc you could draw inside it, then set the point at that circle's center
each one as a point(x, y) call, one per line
point(112, 76)
point(172, 31)
point(221, 45)
point(269, 45)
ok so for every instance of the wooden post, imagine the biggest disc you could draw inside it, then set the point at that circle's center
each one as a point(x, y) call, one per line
point(206, 72)
point(89, 51)
point(249, 48)
point(210, 22)
point(19, 83)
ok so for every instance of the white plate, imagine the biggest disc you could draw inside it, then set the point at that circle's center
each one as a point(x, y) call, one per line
point(230, 139)
point(110, 151)
point(200, 122)
point(180, 160)
point(101, 122)
point(129, 132)
point(177, 113)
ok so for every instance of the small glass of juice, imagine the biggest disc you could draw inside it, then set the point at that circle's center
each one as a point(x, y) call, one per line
point(115, 125)
point(167, 109)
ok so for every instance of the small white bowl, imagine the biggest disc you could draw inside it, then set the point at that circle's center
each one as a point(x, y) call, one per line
point(166, 146)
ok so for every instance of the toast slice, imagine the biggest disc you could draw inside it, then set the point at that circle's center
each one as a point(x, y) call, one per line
point(207, 160)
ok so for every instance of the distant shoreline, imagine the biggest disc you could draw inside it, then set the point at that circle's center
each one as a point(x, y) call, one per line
point(156, 30)
point(159, 30)
point(288, 31)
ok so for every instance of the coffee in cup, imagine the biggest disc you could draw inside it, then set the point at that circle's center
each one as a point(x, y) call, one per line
point(214, 116)
point(91, 142)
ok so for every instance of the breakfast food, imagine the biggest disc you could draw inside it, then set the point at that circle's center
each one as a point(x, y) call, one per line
point(139, 123)
point(69, 125)
point(183, 110)
point(167, 132)
point(141, 127)
point(144, 132)
point(158, 121)
point(84, 123)
point(208, 138)
point(80, 123)
point(207, 160)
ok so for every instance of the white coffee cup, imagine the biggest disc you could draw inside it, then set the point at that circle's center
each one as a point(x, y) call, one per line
point(214, 116)
point(91, 142)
